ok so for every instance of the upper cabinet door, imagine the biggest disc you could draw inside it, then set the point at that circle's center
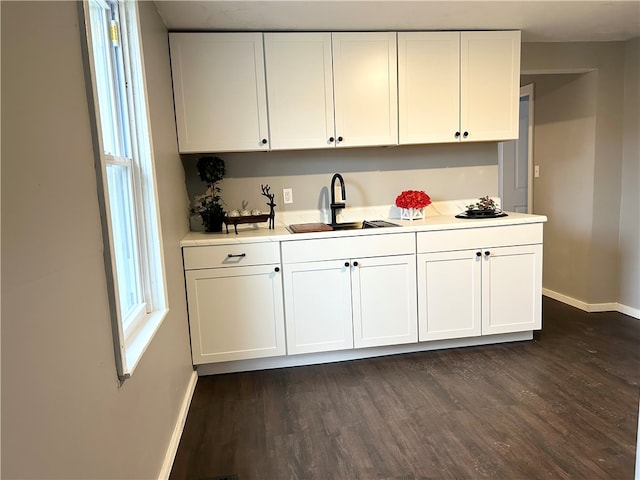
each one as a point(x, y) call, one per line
point(428, 86)
point(366, 88)
point(219, 91)
point(489, 85)
point(300, 90)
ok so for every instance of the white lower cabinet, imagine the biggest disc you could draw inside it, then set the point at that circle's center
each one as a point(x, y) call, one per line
point(235, 312)
point(267, 299)
point(449, 295)
point(491, 289)
point(384, 301)
point(350, 301)
point(511, 289)
point(318, 306)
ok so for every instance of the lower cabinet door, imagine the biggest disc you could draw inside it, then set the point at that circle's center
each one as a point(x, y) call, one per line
point(235, 313)
point(318, 306)
point(512, 289)
point(449, 295)
point(384, 301)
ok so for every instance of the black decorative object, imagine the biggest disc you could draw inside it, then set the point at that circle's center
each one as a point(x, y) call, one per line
point(235, 221)
point(272, 211)
point(240, 219)
point(481, 214)
point(485, 207)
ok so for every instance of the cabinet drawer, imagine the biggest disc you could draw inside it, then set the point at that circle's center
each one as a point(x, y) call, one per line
point(348, 247)
point(217, 256)
point(448, 240)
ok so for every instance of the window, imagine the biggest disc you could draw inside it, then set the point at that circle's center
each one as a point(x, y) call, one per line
point(126, 178)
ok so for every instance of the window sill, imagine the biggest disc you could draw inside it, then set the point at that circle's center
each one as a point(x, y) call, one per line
point(137, 345)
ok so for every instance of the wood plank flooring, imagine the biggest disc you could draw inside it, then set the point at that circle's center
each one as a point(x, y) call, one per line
point(562, 406)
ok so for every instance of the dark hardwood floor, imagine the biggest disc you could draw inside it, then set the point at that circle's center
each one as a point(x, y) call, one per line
point(564, 405)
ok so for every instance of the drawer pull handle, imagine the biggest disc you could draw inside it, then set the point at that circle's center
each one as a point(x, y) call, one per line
point(232, 255)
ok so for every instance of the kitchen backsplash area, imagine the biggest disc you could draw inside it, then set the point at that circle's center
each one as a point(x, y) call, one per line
point(373, 176)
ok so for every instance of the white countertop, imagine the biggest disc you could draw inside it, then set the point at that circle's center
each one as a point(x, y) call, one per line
point(440, 218)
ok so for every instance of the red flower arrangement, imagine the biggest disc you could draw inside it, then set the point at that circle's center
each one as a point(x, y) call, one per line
point(412, 199)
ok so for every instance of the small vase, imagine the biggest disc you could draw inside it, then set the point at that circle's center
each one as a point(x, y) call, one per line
point(212, 222)
point(411, 213)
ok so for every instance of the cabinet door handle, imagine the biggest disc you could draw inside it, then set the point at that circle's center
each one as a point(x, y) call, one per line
point(478, 254)
point(331, 139)
point(264, 141)
point(339, 139)
point(346, 264)
point(465, 134)
point(355, 264)
point(487, 253)
point(277, 269)
point(234, 255)
point(457, 134)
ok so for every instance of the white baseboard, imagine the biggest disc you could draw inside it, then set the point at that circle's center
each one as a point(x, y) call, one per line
point(172, 449)
point(632, 312)
point(592, 307)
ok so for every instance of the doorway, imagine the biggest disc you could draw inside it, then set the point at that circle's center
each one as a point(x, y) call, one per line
point(515, 161)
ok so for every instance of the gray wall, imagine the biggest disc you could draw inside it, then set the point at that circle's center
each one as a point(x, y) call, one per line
point(373, 176)
point(63, 413)
point(565, 123)
point(629, 260)
point(599, 256)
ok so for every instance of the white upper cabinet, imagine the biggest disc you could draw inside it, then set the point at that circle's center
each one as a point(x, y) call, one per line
point(458, 86)
point(489, 85)
point(365, 88)
point(428, 86)
point(219, 91)
point(331, 90)
point(300, 90)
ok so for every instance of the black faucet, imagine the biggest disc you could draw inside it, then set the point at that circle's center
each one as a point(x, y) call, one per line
point(336, 206)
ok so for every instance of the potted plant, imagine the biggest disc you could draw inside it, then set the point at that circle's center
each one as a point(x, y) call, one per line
point(485, 205)
point(209, 205)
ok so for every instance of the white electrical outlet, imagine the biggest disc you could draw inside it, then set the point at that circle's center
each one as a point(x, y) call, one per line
point(287, 194)
point(536, 172)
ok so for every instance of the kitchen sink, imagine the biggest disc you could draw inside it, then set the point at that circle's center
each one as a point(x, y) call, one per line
point(329, 227)
point(363, 224)
point(346, 226)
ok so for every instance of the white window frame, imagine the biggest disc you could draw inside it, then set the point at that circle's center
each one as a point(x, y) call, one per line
point(130, 139)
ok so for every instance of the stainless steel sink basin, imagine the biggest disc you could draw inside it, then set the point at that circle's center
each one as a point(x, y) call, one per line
point(363, 224)
point(329, 227)
point(346, 226)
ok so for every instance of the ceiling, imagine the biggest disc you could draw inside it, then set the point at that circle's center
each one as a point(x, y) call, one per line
point(540, 21)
